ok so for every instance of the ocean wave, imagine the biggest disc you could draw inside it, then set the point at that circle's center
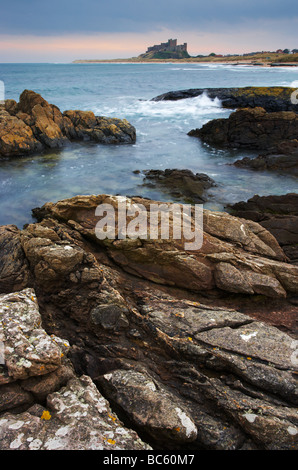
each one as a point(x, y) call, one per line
point(198, 106)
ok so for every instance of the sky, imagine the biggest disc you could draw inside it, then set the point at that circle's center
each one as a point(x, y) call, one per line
point(66, 30)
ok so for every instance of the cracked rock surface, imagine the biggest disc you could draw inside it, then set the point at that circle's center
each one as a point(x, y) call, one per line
point(161, 347)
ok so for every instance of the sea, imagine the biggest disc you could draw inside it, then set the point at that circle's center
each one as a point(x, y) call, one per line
point(125, 90)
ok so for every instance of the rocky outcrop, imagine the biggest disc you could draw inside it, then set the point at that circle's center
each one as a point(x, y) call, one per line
point(272, 99)
point(236, 255)
point(278, 214)
point(253, 129)
point(44, 405)
point(284, 159)
point(146, 328)
point(34, 125)
point(183, 185)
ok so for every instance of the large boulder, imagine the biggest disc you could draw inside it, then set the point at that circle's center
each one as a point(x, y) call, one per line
point(247, 128)
point(16, 137)
point(33, 125)
point(184, 375)
point(87, 126)
point(236, 255)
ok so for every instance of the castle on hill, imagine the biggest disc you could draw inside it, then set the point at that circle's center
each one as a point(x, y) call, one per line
point(170, 46)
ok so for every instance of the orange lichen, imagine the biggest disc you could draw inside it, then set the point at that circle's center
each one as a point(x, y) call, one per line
point(111, 441)
point(112, 417)
point(46, 415)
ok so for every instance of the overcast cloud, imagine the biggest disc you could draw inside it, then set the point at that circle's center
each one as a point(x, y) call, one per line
point(247, 24)
point(77, 16)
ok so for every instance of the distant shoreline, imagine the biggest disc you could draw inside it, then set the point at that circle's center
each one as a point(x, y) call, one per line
point(219, 61)
point(262, 59)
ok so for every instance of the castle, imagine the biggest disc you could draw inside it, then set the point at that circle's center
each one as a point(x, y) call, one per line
point(170, 46)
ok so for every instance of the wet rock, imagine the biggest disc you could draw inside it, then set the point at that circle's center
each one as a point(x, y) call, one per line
point(247, 128)
point(180, 184)
point(272, 99)
point(282, 158)
point(16, 137)
point(33, 125)
point(275, 162)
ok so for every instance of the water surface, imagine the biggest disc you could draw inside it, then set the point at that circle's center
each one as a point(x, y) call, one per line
point(125, 91)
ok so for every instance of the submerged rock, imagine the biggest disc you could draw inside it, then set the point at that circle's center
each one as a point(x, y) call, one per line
point(183, 185)
point(33, 125)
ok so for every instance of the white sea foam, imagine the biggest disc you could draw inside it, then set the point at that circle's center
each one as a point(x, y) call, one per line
point(198, 106)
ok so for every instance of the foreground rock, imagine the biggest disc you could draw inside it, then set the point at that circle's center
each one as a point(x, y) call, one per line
point(143, 323)
point(278, 214)
point(36, 370)
point(183, 185)
point(272, 99)
point(33, 125)
point(253, 129)
point(236, 255)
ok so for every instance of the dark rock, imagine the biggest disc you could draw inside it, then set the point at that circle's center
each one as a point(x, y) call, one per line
point(14, 267)
point(253, 129)
point(272, 99)
point(280, 163)
point(278, 214)
point(282, 158)
point(183, 185)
